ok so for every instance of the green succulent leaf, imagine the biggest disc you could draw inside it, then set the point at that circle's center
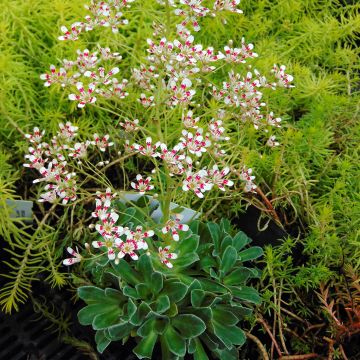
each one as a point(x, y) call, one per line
point(225, 225)
point(188, 325)
point(185, 261)
point(119, 331)
point(223, 316)
point(91, 294)
point(107, 319)
point(199, 353)
point(246, 293)
point(145, 267)
point(125, 272)
point(162, 304)
point(142, 311)
point(156, 282)
point(174, 341)
point(175, 290)
point(87, 314)
point(102, 342)
point(145, 347)
point(229, 335)
point(147, 327)
point(251, 253)
point(228, 259)
point(226, 241)
point(215, 234)
point(131, 292)
point(197, 296)
point(143, 291)
point(237, 277)
point(240, 240)
point(131, 308)
point(226, 354)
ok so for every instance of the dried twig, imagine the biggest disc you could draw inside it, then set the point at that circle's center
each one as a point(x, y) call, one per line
point(267, 329)
point(299, 357)
point(259, 345)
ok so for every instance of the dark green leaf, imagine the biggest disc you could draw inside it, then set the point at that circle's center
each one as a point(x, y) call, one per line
point(240, 240)
point(229, 335)
point(145, 267)
point(162, 304)
point(225, 242)
point(197, 296)
point(145, 347)
point(246, 293)
point(107, 319)
point(174, 341)
point(91, 294)
point(140, 314)
point(176, 291)
point(224, 316)
point(156, 282)
point(185, 261)
point(131, 292)
point(194, 226)
point(212, 286)
point(215, 234)
point(126, 272)
point(131, 308)
point(119, 331)
point(251, 253)
point(225, 225)
point(87, 314)
point(147, 327)
point(238, 277)
point(143, 290)
point(102, 341)
point(226, 354)
point(228, 259)
point(199, 353)
point(188, 325)
point(114, 296)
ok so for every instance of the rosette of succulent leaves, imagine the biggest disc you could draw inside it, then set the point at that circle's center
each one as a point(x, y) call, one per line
point(182, 287)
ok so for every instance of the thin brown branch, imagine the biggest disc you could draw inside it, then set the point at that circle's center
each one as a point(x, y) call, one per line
point(267, 329)
point(259, 345)
point(299, 357)
point(268, 205)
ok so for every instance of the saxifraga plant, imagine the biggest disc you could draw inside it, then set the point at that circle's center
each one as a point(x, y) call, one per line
point(194, 306)
point(190, 159)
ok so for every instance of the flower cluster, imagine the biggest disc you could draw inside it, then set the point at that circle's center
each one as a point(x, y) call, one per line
point(184, 71)
point(193, 10)
point(119, 241)
point(88, 77)
point(103, 14)
point(181, 160)
point(50, 160)
point(248, 178)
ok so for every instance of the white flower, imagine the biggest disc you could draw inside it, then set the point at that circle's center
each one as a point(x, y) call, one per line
point(128, 247)
point(217, 177)
point(142, 185)
point(173, 225)
point(85, 97)
point(165, 256)
point(102, 143)
point(197, 182)
point(107, 228)
point(76, 257)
